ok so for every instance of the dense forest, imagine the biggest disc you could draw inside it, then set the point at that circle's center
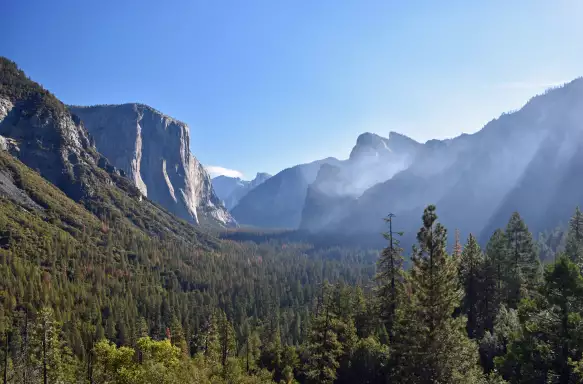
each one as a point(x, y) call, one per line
point(87, 300)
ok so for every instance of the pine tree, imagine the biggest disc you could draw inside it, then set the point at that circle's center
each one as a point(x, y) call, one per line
point(227, 340)
point(550, 339)
point(323, 347)
point(494, 279)
point(177, 336)
point(522, 263)
point(251, 348)
point(574, 247)
point(389, 276)
point(470, 274)
point(431, 346)
point(46, 346)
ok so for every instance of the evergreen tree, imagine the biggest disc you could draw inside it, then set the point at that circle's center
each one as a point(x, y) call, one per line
point(574, 247)
point(522, 263)
point(471, 278)
point(494, 277)
point(431, 346)
point(177, 336)
point(389, 276)
point(227, 340)
point(323, 348)
point(46, 346)
point(551, 333)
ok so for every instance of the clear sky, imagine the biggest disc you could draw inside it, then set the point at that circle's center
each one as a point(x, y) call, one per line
point(265, 85)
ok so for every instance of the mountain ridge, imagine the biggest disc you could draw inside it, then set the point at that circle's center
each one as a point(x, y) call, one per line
point(154, 150)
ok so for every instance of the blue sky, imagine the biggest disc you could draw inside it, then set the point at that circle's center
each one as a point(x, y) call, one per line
point(265, 85)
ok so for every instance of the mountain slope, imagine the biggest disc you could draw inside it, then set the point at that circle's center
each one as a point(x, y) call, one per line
point(471, 178)
point(550, 186)
point(278, 202)
point(374, 159)
point(39, 130)
point(232, 189)
point(153, 150)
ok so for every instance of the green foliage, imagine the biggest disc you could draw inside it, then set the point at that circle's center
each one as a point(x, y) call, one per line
point(431, 345)
point(550, 340)
point(521, 262)
point(574, 246)
point(471, 274)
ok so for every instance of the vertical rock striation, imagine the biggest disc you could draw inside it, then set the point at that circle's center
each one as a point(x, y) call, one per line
point(154, 150)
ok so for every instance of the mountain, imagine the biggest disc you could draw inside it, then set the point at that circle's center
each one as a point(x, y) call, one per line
point(520, 161)
point(294, 198)
point(278, 202)
point(232, 189)
point(38, 130)
point(373, 159)
point(550, 187)
point(153, 150)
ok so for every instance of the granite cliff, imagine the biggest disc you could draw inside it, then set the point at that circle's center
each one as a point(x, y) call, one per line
point(154, 151)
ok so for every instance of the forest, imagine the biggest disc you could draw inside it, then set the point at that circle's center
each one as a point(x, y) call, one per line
point(86, 300)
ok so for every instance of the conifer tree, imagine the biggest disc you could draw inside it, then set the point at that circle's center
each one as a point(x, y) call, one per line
point(431, 346)
point(550, 339)
point(177, 336)
point(46, 346)
point(494, 279)
point(522, 263)
point(574, 247)
point(251, 348)
point(389, 276)
point(470, 274)
point(323, 347)
point(227, 340)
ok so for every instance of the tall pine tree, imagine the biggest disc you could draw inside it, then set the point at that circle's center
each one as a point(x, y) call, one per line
point(431, 346)
point(522, 261)
point(389, 276)
point(471, 268)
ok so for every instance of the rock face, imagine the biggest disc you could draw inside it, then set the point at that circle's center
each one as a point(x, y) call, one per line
point(153, 150)
point(278, 202)
point(232, 189)
point(38, 130)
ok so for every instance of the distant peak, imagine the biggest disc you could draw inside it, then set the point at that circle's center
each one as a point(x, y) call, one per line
point(369, 139)
point(262, 175)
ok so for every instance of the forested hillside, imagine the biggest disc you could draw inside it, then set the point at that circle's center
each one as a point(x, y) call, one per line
point(100, 285)
point(85, 301)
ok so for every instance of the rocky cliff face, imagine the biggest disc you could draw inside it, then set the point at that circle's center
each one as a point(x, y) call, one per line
point(153, 149)
point(37, 129)
point(232, 189)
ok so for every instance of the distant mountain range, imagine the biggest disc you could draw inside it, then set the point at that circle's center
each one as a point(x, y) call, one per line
point(232, 189)
point(527, 161)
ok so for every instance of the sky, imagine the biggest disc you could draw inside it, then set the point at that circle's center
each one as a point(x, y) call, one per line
point(265, 85)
